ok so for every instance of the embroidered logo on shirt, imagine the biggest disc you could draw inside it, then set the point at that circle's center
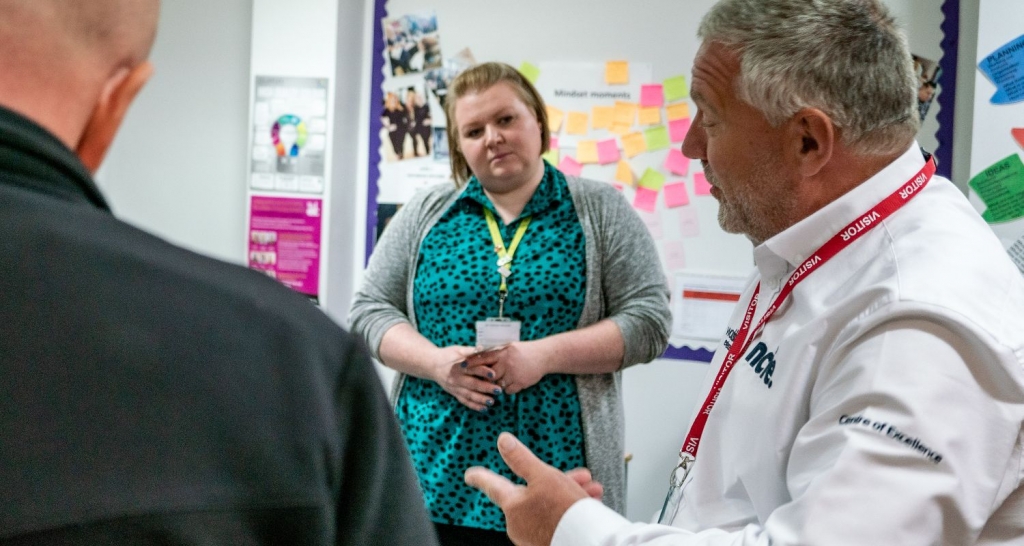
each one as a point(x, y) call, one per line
point(892, 432)
point(763, 362)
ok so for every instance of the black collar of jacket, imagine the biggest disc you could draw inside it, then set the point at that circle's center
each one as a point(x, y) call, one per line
point(33, 159)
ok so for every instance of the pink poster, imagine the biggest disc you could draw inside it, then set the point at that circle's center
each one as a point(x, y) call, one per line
point(284, 240)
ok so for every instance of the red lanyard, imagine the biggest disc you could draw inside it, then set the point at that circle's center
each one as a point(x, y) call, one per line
point(833, 246)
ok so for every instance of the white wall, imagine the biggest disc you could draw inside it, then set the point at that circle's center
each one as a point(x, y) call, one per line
point(178, 168)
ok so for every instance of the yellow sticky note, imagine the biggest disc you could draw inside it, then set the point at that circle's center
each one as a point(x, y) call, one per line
point(586, 151)
point(634, 144)
point(555, 117)
point(624, 173)
point(602, 117)
point(529, 71)
point(650, 116)
point(625, 112)
point(620, 129)
point(679, 110)
point(552, 157)
point(577, 124)
point(616, 72)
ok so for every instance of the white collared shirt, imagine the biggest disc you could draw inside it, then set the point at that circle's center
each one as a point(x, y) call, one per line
point(893, 412)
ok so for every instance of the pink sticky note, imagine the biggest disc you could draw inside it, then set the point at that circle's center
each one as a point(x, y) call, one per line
point(676, 162)
point(675, 257)
point(700, 184)
point(675, 194)
point(689, 223)
point(607, 151)
point(645, 199)
point(617, 186)
point(677, 129)
point(570, 166)
point(652, 95)
point(554, 143)
point(653, 222)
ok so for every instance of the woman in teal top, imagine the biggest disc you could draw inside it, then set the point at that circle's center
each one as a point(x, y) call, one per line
point(578, 272)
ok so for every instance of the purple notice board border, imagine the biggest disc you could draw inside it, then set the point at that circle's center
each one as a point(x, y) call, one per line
point(950, 39)
point(947, 82)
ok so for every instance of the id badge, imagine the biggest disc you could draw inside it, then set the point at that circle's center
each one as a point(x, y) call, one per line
point(676, 483)
point(495, 332)
point(670, 508)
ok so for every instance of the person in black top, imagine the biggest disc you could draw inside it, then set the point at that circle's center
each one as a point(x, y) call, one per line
point(150, 395)
point(420, 123)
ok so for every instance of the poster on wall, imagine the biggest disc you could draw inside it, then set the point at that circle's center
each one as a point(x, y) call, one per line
point(289, 141)
point(284, 240)
point(412, 106)
point(996, 187)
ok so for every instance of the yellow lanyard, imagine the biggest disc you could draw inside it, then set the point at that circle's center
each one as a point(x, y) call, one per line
point(504, 255)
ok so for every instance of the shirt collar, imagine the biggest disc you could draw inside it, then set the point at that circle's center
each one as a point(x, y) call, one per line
point(33, 159)
point(785, 251)
point(549, 193)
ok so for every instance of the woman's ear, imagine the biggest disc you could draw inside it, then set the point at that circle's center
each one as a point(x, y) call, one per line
point(812, 140)
point(117, 95)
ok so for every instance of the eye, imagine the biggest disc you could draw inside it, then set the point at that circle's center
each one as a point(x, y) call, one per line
point(471, 133)
point(702, 120)
point(505, 120)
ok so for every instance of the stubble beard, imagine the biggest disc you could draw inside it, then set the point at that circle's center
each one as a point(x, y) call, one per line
point(757, 207)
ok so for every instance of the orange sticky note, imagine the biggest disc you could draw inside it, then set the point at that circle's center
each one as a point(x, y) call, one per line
point(678, 110)
point(577, 124)
point(616, 72)
point(555, 117)
point(602, 117)
point(624, 173)
point(634, 144)
point(650, 116)
point(620, 129)
point(625, 112)
point(586, 151)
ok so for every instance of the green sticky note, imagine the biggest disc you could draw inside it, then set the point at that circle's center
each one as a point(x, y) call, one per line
point(652, 180)
point(1001, 188)
point(551, 156)
point(529, 71)
point(657, 138)
point(675, 88)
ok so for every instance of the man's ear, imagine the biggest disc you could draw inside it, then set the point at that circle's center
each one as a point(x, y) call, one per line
point(812, 140)
point(118, 94)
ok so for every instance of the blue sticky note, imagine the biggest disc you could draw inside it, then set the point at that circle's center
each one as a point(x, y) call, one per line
point(1005, 68)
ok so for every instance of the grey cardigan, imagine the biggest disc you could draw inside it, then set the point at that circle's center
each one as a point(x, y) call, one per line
point(625, 283)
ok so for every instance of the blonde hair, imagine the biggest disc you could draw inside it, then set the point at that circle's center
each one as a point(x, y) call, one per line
point(475, 80)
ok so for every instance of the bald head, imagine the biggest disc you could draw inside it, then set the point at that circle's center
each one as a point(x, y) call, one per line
point(59, 57)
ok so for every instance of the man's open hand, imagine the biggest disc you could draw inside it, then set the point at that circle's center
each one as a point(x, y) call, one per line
point(532, 511)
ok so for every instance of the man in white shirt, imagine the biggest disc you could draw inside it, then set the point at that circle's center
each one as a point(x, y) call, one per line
point(870, 387)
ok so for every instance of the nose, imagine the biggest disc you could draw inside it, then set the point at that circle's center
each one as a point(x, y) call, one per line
point(493, 135)
point(695, 143)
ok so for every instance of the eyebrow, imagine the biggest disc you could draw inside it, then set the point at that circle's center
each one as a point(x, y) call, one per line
point(702, 102)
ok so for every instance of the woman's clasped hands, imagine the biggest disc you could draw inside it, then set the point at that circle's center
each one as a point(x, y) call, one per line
point(476, 377)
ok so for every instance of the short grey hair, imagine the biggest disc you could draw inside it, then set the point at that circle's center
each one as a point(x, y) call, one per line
point(847, 58)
